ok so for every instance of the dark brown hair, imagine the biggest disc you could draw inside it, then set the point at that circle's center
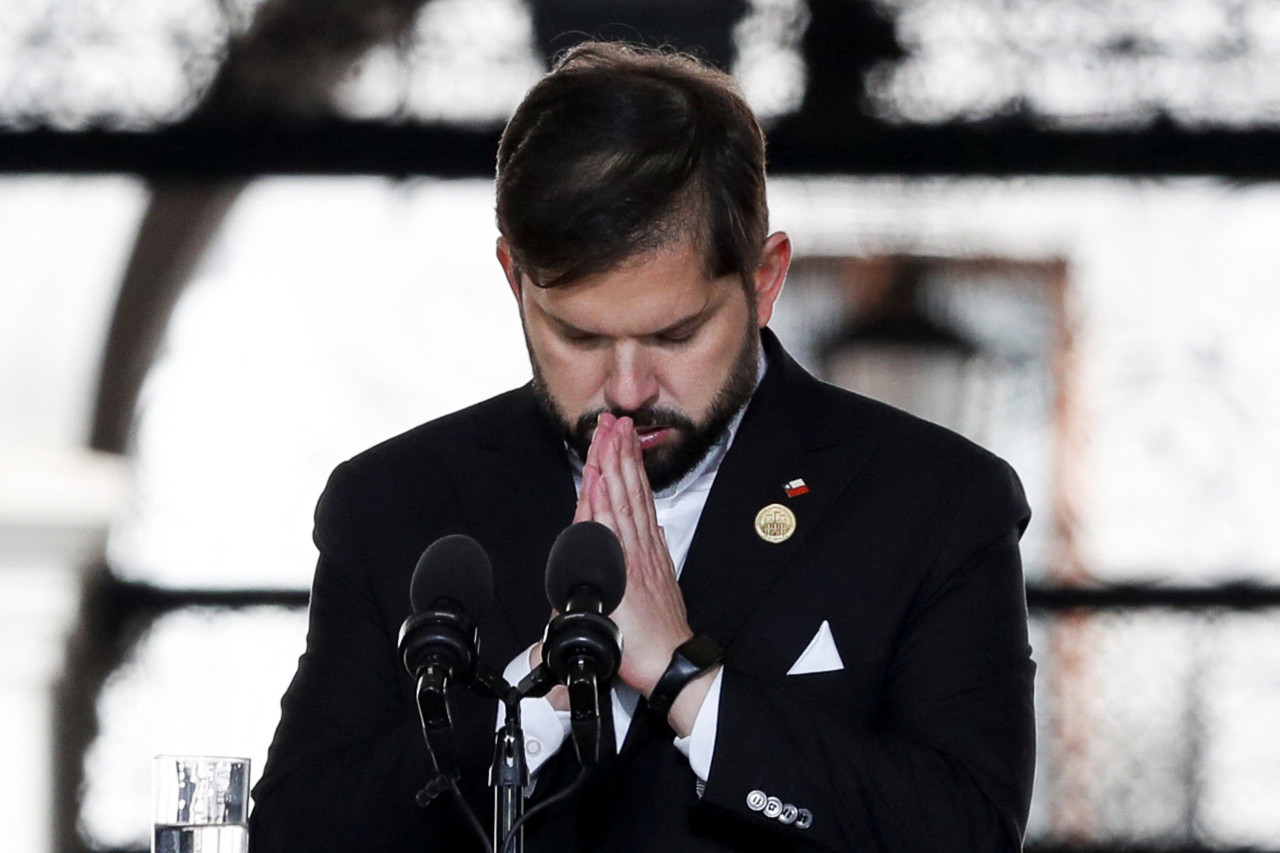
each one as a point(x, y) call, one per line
point(621, 149)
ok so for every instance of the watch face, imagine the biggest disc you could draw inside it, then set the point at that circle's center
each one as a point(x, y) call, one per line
point(701, 651)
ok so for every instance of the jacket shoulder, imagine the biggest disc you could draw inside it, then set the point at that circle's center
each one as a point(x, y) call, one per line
point(907, 454)
point(412, 477)
point(470, 427)
point(895, 432)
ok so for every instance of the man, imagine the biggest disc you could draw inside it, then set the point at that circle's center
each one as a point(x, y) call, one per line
point(861, 677)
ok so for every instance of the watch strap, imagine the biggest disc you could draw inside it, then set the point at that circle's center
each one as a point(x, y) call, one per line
point(690, 659)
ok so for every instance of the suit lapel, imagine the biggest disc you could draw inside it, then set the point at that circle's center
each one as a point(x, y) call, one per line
point(783, 436)
point(729, 567)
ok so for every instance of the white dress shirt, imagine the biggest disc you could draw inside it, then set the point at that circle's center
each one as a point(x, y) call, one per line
point(678, 508)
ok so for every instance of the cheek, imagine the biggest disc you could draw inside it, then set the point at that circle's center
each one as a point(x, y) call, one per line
point(575, 379)
point(694, 381)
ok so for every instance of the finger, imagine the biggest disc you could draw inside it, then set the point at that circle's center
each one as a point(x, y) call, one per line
point(597, 438)
point(592, 491)
point(590, 471)
point(647, 492)
point(601, 510)
point(651, 534)
point(631, 466)
point(645, 487)
point(619, 505)
point(645, 513)
point(590, 476)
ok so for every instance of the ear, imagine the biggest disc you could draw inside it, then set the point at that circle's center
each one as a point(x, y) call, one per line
point(509, 267)
point(775, 260)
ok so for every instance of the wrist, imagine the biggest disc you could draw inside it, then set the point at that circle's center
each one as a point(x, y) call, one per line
point(650, 672)
point(689, 661)
point(684, 711)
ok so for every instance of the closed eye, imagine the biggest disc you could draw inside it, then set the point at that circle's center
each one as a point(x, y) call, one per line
point(675, 339)
point(581, 339)
point(679, 333)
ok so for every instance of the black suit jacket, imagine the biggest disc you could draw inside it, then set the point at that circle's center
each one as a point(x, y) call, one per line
point(906, 544)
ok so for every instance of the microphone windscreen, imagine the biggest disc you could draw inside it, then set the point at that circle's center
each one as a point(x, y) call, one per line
point(586, 553)
point(453, 567)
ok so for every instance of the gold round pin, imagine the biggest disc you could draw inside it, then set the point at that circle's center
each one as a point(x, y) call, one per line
point(775, 523)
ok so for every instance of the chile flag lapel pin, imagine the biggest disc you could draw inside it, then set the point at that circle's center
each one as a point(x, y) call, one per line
point(795, 488)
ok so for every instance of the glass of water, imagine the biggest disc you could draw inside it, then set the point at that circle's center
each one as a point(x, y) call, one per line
point(201, 804)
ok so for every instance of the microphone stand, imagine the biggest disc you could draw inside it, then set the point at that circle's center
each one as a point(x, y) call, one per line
point(509, 773)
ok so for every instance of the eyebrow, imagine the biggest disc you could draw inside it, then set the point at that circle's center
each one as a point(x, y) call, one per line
point(681, 326)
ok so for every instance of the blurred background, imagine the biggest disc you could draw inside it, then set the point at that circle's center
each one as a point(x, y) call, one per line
point(241, 240)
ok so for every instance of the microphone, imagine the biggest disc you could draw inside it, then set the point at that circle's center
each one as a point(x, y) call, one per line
point(451, 590)
point(582, 648)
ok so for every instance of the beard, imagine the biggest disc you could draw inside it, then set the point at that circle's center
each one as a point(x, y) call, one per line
point(690, 440)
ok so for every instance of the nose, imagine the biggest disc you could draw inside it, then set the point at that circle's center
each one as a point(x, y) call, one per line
point(632, 382)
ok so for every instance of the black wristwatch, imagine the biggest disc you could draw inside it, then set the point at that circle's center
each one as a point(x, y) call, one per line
point(690, 659)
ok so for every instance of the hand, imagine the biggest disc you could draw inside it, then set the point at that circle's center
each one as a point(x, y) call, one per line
point(616, 493)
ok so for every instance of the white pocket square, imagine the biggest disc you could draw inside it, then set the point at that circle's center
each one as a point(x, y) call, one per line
point(821, 655)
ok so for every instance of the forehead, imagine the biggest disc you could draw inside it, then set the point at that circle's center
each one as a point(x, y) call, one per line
point(642, 294)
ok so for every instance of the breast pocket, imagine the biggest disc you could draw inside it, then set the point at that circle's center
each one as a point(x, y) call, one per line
point(843, 693)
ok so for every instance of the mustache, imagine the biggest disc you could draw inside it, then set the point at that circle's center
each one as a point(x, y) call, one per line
point(645, 417)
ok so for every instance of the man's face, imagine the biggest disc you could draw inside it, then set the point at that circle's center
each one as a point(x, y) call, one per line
point(653, 339)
